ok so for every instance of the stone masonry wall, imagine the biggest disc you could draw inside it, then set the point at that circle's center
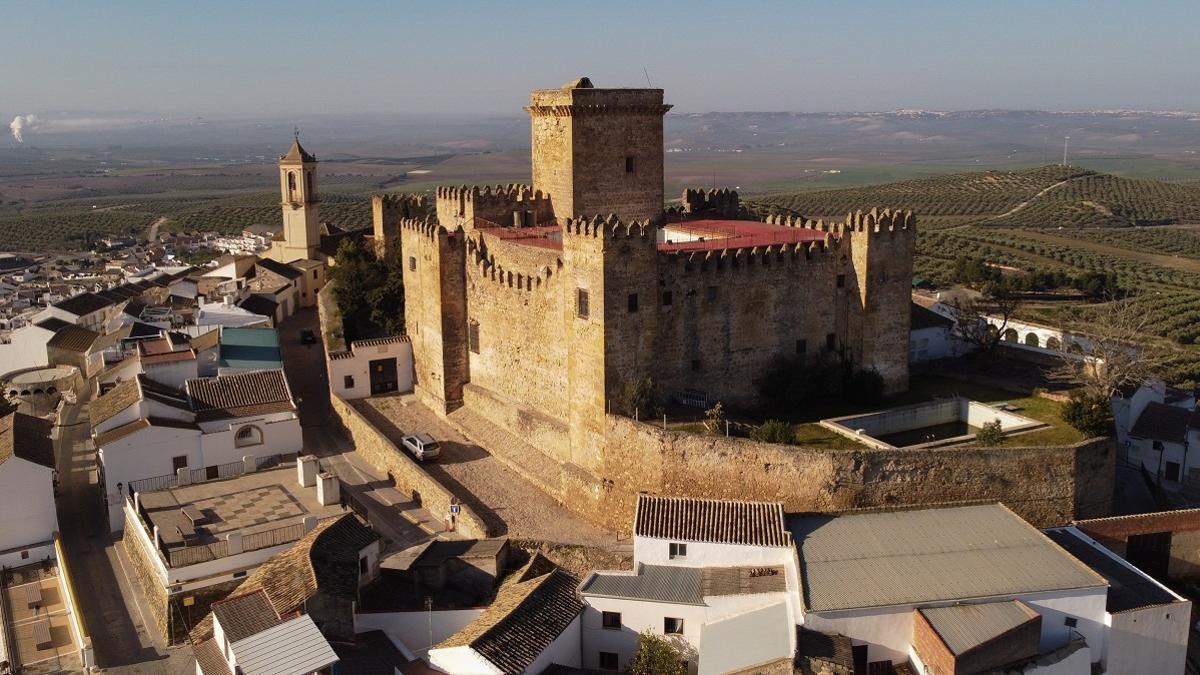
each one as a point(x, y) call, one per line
point(1047, 486)
point(147, 580)
point(408, 476)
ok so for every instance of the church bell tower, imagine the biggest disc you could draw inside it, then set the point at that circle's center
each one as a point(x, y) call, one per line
point(301, 211)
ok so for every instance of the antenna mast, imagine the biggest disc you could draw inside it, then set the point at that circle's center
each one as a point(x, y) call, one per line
point(1065, 142)
point(647, 74)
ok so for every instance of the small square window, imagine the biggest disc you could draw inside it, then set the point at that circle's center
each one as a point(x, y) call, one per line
point(611, 620)
point(672, 626)
point(801, 347)
point(362, 565)
point(1157, 445)
point(841, 281)
point(608, 660)
point(348, 382)
point(633, 303)
point(711, 293)
point(412, 262)
point(630, 164)
point(314, 274)
point(667, 298)
point(1071, 622)
point(831, 342)
point(676, 551)
point(695, 364)
point(178, 462)
point(239, 575)
point(24, 555)
point(581, 303)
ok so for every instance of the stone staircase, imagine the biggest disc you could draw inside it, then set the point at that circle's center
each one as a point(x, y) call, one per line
point(526, 460)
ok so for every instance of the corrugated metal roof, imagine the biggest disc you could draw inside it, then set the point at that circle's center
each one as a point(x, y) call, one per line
point(289, 648)
point(1127, 589)
point(711, 520)
point(964, 627)
point(656, 583)
point(879, 559)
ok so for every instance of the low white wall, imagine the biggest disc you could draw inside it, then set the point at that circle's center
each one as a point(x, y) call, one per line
point(79, 630)
point(357, 366)
point(411, 629)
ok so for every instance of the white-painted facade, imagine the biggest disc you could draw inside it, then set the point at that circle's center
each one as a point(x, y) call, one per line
point(26, 350)
point(410, 631)
point(350, 372)
point(935, 342)
point(28, 519)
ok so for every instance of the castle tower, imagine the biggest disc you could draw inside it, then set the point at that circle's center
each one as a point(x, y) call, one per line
point(599, 151)
point(301, 211)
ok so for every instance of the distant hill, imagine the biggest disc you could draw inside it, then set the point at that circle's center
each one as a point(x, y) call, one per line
point(1048, 196)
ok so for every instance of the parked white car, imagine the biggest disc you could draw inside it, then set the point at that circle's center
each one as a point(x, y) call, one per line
point(422, 447)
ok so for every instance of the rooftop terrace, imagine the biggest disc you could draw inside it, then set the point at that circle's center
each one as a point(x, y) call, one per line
point(267, 508)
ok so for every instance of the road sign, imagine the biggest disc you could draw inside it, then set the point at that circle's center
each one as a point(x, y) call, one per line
point(454, 509)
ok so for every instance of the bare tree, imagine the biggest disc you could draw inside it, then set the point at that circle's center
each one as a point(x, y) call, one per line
point(1115, 351)
point(998, 302)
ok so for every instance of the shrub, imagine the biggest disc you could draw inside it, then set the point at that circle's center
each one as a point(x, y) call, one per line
point(864, 386)
point(715, 417)
point(638, 399)
point(656, 656)
point(990, 434)
point(774, 431)
point(1090, 414)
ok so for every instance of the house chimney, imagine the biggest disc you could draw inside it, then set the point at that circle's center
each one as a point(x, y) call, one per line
point(328, 489)
point(306, 469)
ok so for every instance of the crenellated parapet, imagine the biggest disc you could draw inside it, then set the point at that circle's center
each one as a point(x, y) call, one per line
point(427, 228)
point(508, 274)
point(386, 213)
point(488, 206)
point(873, 221)
point(720, 203)
point(768, 256)
point(610, 228)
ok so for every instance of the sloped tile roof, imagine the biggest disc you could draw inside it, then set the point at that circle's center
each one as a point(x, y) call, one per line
point(114, 435)
point(711, 520)
point(927, 318)
point(246, 614)
point(73, 339)
point(239, 395)
point(1162, 422)
point(324, 560)
point(297, 154)
point(27, 438)
point(525, 618)
point(210, 659)
point(259, 304)
point(83, 304)
point(114, 401)
point(52, 324)
point(282, 269)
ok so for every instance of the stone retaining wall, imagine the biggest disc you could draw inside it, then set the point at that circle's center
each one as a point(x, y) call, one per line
point(407, 475)
point(146, 577)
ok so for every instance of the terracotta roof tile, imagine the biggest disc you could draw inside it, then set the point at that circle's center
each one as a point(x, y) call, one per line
point(83, 304)
point(711, 520)
point(27, 438)
point(244, 615)
point(525, 618)
point(1162, 422)
point(114, 401)
point(210, 659)
point(73, 339)
point(239, 395)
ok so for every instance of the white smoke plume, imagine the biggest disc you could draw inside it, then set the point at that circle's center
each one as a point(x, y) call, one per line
point(20, 123)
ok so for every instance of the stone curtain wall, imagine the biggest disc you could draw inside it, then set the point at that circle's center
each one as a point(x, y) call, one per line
point(409, 477)
point(516, 298)
point(1047, 486)
point(145, 577)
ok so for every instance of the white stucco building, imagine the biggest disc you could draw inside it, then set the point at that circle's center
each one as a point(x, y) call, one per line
point(28, 518)
point(370, 367)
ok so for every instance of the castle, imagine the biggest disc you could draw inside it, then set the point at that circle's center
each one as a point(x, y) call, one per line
point(535, 304)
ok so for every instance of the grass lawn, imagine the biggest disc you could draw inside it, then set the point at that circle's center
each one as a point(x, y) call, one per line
point(925, 387)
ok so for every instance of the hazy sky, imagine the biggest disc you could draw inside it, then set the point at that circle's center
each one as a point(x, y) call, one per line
point(259, 58)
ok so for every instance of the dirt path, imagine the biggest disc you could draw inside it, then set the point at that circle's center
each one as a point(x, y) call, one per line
point(1025, 203)
point(152, 231)
point(1191, 265)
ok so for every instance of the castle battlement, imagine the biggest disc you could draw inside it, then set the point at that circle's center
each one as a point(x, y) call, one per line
point(722, 202)
point(427, 227)
point(873, 221)
point(719, 259)
point(497, 204)
point(492, 268)
point(610, 228)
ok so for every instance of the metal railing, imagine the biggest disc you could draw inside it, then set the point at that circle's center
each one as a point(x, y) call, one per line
point(153, 484)
point(192, 555)
point(275, 537)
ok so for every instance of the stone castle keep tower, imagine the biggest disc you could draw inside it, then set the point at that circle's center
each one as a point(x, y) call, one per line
point(533, 306)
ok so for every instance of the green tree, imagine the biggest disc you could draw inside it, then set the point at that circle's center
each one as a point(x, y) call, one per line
point(369, 292)
point(774, 431)
point(1090, 413)
point(655, 656)
point(638, 399)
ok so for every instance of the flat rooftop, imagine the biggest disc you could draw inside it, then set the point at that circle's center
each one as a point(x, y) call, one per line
point(36, 610)
point(677, 585)
point(704, 235)
point(909, 557)
point(251, 503)
point(250, 349)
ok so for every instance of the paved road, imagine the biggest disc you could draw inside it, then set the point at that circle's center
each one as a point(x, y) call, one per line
point(120, 637)
point(400, 521)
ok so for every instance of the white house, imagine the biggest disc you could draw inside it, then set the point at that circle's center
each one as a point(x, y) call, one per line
point(87, 310)
point(1160, 441)
point(932, 336)
point(27, 348)
point(250, 637)
point(146, 432)
point(28, 519)
point(705, 571)
point(532, 624)
point(375, 366)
